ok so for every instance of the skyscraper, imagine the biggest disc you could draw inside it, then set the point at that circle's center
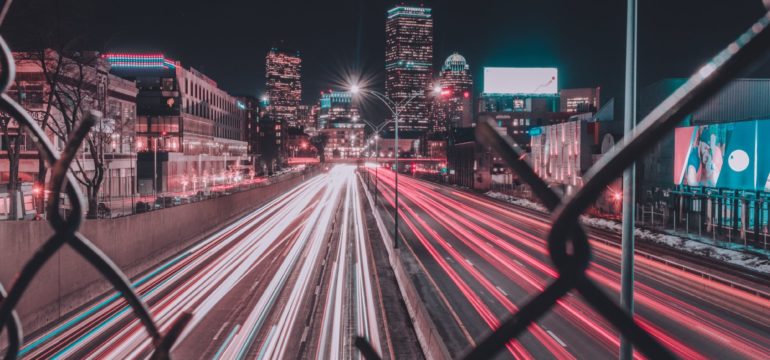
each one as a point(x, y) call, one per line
point(453, 108)
point(409, 63)
point(284, 88)
point(335, 104)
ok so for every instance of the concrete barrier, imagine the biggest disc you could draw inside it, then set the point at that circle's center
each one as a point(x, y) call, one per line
point(430, 340)
point(135, 243)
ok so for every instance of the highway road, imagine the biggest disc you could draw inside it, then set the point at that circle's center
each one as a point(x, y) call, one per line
point(477, 260)
point(292, 279)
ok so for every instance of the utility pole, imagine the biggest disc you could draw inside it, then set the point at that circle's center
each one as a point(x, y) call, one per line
point(629, 181)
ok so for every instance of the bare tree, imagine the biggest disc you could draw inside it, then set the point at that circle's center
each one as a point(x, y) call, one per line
point(11, 135)
point(77, 83)
point(38, 27)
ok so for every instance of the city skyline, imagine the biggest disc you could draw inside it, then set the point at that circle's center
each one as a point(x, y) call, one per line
point(355, 39)
point(397, 180)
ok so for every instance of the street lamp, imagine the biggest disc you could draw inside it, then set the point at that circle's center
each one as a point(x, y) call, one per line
point(395, 109)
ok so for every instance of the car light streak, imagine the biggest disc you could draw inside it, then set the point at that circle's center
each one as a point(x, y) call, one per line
point(519, 253)
point(230, 251)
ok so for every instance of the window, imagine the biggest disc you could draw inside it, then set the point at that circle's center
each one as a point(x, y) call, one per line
point(167, 84)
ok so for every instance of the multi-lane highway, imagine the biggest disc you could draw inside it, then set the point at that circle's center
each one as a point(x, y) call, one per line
point(477, 260)
point(293, 279)
point(297, 278)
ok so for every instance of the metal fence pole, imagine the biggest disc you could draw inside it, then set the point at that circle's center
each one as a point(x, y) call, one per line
point(629, 181)
point(395, 219)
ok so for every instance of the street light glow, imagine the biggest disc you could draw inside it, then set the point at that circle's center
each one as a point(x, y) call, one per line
point(355, 89)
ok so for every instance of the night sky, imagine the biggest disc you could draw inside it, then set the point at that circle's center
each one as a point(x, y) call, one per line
point(229, 40)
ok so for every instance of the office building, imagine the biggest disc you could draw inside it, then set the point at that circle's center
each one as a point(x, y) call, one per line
point(114, 134)
point(333, 105)
point(306, 117)
point(251, 107)
point(580, 100)
point(283, 85)
point(409, 63)
point(190, 134)
point(346, 138)
point(453, 107)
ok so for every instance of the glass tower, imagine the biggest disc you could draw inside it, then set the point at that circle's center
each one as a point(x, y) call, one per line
point(284, 88)
point(409, 63)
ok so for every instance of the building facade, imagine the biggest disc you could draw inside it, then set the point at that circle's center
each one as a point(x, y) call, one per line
point(409, 63)
point(251, 107)
point(333, 105)
point(87, 82)
point(306, 117)
point(453, 108)
point(190, 134)
point(283, 85)
point(346, 138)
point(580, 100)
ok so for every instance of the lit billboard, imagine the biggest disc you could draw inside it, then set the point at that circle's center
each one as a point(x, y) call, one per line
point(727, 155)
point(525, 81)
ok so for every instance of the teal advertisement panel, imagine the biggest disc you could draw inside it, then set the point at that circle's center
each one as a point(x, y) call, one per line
point(728, 155)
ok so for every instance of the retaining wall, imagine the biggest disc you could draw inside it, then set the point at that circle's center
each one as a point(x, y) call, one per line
point(135, 243)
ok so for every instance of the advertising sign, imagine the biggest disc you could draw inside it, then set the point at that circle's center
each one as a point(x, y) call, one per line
point(525, 81)
point(727, 155)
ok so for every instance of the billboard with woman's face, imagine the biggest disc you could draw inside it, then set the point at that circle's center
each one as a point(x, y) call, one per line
point(727, 155)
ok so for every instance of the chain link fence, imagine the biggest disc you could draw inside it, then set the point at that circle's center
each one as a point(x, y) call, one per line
point(567, 242)
point(65, 226)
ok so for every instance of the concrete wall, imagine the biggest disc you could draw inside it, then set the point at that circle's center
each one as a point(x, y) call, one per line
point(430, 339)
point(135, 243)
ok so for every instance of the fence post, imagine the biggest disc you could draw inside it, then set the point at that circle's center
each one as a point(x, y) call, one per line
point(629, 186)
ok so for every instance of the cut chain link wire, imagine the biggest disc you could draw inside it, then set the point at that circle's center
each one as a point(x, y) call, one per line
point(566, 232)
point(65, 228)
point(567, 242)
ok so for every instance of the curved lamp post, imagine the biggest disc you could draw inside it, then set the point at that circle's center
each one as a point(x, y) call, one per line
point(395, 109)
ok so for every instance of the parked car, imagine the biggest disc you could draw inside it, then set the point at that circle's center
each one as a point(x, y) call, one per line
point(167, 201)
point(203, 194)
point(142, 207)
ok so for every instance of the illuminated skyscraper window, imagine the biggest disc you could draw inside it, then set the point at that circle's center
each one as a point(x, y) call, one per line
point(453, 108)
point(409, 62)
point(284, 86)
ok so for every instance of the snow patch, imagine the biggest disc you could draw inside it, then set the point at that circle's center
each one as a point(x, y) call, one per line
point(749, 261)
point(516, 201)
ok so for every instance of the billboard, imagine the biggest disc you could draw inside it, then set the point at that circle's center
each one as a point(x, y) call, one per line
point(529, 81)
point(727, 155)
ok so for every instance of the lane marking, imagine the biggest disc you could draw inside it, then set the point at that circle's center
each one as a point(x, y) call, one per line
point(501, 291)
point(222, 328)
point(226, 342)
point(556, 338)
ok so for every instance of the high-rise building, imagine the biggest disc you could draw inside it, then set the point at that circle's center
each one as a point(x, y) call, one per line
point(453, 108)
point(250, 106)
point(284, 88)
point(409, 63)
point(305, 117)
point(335, 104)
